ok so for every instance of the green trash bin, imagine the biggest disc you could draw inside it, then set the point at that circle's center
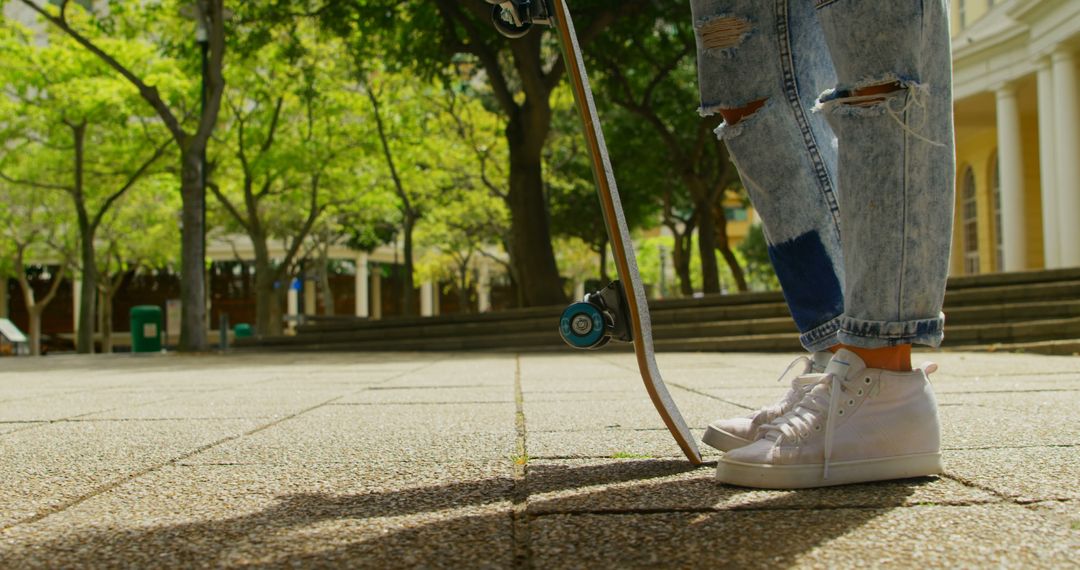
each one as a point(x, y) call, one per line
point(242, 330)
point(146, 321)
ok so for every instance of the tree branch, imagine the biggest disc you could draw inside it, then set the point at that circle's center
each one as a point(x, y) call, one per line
point(149, 93)
point(158, 153)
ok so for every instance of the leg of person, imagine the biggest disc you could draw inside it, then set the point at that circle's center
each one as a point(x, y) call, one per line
point(761, 66)
point(892, 114)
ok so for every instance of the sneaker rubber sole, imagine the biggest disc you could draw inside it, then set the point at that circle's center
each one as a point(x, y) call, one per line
point(764, 476)
point(722, 440)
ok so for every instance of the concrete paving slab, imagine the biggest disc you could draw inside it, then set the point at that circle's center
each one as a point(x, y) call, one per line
point(631, 443)
point(429, 394)
point(434, 514)
point(410, 460)
point(620, 485)
point(55, 463)
point(901, 537)
point(1023, 474)
point(256, 402)
point(637, 413)
point(346, 433)
point(968, 426)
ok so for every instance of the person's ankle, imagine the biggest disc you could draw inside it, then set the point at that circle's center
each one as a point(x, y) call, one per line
point(895, 358)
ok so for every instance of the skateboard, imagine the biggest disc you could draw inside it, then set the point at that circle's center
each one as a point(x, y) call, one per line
point(620, 311)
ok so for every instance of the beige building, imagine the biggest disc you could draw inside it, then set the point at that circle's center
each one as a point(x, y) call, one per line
point(1017, 104)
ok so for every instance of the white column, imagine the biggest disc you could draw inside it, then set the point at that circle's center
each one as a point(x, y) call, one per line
point(1067, 134)
point(579, 291)
point(483, 289)
point(1048, 167)
point(361, 285)
point(1011, 165)
point(425, 299)
point(376, 294)
point(292, 301)
point(76, 287)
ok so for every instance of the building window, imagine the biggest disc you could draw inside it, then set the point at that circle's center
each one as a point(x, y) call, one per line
point(969, 212)
point(999, 252)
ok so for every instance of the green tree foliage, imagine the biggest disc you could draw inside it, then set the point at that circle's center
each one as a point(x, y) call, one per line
point(137, 236)
point(30, 236)
point(164, 30)
point(290, 134)
point(75, 127)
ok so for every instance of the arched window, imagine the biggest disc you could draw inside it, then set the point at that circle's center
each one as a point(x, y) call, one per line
point(999, 251)
point(969, 219)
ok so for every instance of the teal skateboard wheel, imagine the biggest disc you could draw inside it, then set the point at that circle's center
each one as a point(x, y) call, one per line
point(582, 326)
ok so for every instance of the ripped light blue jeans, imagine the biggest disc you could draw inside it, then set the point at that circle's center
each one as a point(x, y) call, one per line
point(855, 192)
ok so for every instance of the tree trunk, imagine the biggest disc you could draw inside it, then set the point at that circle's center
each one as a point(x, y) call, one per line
point(724, 246)
point(265, 294)
point(680, 259)
point(88, 293)
point(276, 324)
point(4, 309)
point(710, 272)
point(84, 336)
point(35, 329)
point(462, 288)
point(193, 335)
point(324, 282)
point(408, 301)
point(531, 251)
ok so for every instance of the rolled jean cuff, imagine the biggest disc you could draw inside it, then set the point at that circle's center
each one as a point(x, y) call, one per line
point(821, 337)
point(881, 334)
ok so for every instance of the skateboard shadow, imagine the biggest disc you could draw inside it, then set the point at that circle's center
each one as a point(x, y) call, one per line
point(615, 514)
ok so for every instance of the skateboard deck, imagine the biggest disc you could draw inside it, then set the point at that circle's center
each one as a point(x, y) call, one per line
point(596, 327)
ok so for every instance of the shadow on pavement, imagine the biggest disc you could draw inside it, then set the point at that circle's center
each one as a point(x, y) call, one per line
point(469, 524)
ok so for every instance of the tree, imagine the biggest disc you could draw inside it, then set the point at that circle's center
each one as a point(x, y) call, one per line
point(136, 236)
point(289, 128)
point(29, 232)
point(79, 132)
point(133, 20)
point(522, 73)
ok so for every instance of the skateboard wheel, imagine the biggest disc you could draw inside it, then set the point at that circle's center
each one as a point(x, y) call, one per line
point(582, 326)
point(505, 24)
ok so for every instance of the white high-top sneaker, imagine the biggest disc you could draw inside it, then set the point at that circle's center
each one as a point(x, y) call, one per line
point(856, 424)
point(729, 433)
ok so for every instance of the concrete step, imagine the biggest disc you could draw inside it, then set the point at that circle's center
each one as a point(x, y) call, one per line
point(1063, 347)
point(986, 310)
point(1016, 293)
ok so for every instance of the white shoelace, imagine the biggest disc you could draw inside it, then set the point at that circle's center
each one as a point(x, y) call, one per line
point(798, 388)
point(806, 417)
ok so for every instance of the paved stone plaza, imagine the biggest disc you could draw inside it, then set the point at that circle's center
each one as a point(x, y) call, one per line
point(498, 460)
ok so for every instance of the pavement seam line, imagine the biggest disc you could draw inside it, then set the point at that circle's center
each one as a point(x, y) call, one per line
point(40, 515)
point(76, 417)
point(750, 509)
point(147, 470)
point(519, 514)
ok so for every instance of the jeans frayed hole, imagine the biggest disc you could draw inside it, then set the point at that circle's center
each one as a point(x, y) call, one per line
point(727, 131)
point(720, 35)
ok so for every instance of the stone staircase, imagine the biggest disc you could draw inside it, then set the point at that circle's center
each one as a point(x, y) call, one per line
point(1035, 311)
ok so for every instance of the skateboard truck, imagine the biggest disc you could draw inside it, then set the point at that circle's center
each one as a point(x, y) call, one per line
point(514, 18)
point(597, 320)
